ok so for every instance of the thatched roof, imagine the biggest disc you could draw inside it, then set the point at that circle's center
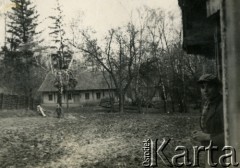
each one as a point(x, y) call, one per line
point(85, 81)
point(5, 90)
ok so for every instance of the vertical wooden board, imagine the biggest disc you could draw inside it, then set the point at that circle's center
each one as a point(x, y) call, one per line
point(230, 16)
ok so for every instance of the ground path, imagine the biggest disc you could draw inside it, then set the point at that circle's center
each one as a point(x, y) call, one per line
point(95, 139)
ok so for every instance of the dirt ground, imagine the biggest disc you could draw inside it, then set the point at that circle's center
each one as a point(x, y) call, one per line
point(87, 138)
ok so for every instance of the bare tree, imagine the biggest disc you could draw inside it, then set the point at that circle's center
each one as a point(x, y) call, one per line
point(62, 57)
point(144, 59)
point(115, 57)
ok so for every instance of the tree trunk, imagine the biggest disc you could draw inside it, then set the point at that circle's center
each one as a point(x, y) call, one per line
point(121, 103)
point(59, 100)
point(67, 98)
point(111, 100)
point(173, 103)
point(139, 104)
point(164, 96)
point(164, 104)
point(29, 91)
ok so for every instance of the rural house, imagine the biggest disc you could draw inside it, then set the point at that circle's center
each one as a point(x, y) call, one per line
point(90, 89)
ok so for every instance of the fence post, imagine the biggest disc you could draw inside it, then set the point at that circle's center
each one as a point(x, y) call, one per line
point(3, 97)
point(17, 97)
point(1, 101)
point(26, 102)
point(32, 103)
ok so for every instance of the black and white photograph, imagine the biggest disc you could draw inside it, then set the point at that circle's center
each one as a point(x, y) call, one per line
point(119, 83)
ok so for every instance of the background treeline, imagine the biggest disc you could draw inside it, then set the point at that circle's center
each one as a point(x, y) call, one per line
point(142, 59)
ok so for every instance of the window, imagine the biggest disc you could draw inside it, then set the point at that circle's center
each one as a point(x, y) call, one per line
point(70, 96)
point(86, 96)
point(50, 97)
point(98, 95)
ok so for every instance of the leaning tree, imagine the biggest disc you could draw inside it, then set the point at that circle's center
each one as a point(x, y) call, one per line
point(62, 57)
point(64, 80)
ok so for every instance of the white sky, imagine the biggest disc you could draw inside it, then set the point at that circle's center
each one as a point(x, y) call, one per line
point(101, 15)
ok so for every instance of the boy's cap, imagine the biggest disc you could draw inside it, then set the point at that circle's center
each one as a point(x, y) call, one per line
point(208, 78)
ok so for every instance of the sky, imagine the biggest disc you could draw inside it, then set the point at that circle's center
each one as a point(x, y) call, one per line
point(101, 15)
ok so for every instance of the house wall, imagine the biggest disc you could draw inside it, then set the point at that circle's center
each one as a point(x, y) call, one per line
point(46, 100)
point(77, 98)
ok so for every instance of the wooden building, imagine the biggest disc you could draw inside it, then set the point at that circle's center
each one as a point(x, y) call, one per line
point(91, 88)
point(201, 29)
point(211, 28)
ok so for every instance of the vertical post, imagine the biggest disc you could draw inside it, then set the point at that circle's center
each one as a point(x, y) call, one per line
point(5, 28)
point(31, 103)
point(17, 100)
point(230, 16)
point(1, 102)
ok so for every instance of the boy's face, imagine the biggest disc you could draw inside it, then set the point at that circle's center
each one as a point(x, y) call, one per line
point(209, 90)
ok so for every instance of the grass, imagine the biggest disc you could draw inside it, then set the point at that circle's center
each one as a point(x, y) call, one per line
point(87, 137)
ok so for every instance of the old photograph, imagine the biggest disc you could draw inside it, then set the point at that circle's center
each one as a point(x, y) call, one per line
point(119, 83)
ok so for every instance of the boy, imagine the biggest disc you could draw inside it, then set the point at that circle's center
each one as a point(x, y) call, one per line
point(59, 111)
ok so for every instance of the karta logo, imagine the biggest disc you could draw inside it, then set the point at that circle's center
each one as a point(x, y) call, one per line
point(152, 153)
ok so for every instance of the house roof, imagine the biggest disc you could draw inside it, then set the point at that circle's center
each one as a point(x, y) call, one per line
point(85, 81)
point(198, 28)
point(5, 90)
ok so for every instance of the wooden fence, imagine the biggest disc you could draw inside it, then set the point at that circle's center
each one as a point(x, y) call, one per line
point(17, 102)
